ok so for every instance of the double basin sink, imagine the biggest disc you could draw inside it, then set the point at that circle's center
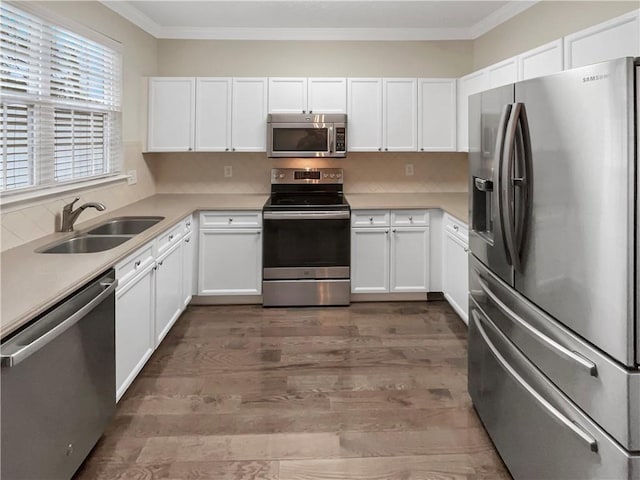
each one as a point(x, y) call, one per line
point(104, 236)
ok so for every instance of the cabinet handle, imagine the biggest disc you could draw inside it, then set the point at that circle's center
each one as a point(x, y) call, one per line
point(304, 111)
point(187, 240)
point(394, 230)
point(258, 232)
point(160, 263)
point(170, 237)
point(387, 232)
point(310, 111)
point(188, 224)
point(411, 219)
point(137, 264)
point(371, 219)
point(455, 227)
point(230, 220)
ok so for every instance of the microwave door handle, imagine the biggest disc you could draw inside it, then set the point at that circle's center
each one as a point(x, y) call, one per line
point(332, 140)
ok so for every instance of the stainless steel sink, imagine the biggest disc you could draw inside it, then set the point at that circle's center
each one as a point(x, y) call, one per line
point(125, 226)
point(86, 244)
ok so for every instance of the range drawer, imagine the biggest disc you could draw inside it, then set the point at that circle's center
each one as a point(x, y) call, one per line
point(230, 219)
point(456, 228)
point(539, 433)
point(170, 237)
point(370, 218)
point(410, 218)
point(606, 391)
point(130, 266)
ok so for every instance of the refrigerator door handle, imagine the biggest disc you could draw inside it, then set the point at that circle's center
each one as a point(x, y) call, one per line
point(507, 186)
point(524, 182)
point(591, 442)
point(582, 361)
point(499, 158)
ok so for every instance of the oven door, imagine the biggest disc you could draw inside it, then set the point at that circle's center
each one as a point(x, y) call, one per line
point(300, 140)
point(298, 245)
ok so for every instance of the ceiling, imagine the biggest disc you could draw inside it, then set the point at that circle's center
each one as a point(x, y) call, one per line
point(318, 19)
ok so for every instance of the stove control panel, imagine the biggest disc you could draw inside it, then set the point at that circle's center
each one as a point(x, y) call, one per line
point(306, 175)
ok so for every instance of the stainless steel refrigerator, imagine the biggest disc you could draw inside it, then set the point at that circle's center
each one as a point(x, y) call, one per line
point(554, 345)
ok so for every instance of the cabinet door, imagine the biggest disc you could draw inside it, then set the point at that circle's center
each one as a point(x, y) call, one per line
point(437, 114)
point(134, 328)
point(409, 259)
point(249, 115)
point(213, 114)
point(230, 262)
point(468, 85)
point(187, 269)
point(169, 300)
point(327, 95)
point(455, 275)
point(287, 95)
point(615, 38)
point(400, 115)
point(544, 60)
point(171, 114)
point(364, 99)
point(503, 73)
point(369, 260)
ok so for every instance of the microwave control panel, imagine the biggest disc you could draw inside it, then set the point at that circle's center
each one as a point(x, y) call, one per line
point(340, 139)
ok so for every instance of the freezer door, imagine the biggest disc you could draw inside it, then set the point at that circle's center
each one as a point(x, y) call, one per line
point(577, 260)
point(488, 117)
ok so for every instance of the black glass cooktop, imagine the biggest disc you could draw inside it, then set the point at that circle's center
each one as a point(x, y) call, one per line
point(306, 201)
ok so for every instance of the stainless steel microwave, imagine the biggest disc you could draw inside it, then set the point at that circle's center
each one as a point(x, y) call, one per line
point(306, 135)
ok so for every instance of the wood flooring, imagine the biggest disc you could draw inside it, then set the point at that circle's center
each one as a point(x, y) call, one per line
point(374, 391)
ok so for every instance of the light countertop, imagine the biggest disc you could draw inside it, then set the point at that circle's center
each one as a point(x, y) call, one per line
point(33, 282)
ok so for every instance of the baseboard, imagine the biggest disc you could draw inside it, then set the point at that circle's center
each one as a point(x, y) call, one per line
point(226, 300)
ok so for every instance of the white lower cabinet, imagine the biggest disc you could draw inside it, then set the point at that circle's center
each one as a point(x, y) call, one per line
point(169, 301)
point(456, 266)
point(230, 256)
point(392, 253)
point(187, 269)
point(134, 327)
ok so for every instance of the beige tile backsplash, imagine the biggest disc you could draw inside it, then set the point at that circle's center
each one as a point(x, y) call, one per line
point(204, 173)
point(363, 172)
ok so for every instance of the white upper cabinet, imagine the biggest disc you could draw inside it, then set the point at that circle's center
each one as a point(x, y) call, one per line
point(400, 114)
point(543, 60)
point(327, 95)
point(307, 95)
point(468, 85)
point(287, 95)
point(364, 110)
point(503, 73)
point(171, 114)
point(213, 114)
point(249, 115)
point(437, 114)
point(619, 37)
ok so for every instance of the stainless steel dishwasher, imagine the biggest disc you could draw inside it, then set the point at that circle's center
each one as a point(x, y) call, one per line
point(58, 385)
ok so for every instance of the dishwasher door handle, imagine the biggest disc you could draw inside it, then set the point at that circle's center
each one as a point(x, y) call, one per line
point(13, 359)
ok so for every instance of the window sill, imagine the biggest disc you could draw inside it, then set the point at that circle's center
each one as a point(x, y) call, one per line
point(10, 200)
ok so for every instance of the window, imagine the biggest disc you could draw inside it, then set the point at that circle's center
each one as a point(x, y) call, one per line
point(59, 103)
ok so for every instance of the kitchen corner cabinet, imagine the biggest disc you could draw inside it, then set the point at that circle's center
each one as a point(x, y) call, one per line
point(230, 253)
point(437, 114)
point(171, 115)
point(383, 114)
point(619, 37)
point(307, 95)
point(389, 251)
point(456, 265)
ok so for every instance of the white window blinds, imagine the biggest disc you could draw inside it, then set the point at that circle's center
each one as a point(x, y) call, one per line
point(60, 103)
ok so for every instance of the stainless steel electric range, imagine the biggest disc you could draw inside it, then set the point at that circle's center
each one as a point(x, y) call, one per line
point(306, 239)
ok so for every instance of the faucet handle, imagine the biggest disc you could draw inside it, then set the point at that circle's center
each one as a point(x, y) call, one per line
point(69, 206)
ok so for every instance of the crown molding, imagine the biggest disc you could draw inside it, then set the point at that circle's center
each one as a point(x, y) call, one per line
point(135, 16)
point(500, 16)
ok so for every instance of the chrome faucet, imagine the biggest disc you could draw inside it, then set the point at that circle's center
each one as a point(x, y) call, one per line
point(69, 215)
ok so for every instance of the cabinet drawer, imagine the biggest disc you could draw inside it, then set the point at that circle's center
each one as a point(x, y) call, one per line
point(410, 218)
point(456, 228)
point(230, 219)
point(370, 218)
point(133, 264)
point(170, 238)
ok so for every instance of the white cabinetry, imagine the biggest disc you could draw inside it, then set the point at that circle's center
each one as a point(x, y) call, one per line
point(230, 253)
point(135, 340)
point(169, 301)
point(468, 85)
point(171, 114)
point(455, 265)
point(503, 73)
point(383, 114)
point(249, 115)
point(307, 95)
point(188, 264)
point(389, 251)
point(437, 114)
point(213, 114)
point(619, 37)
point(540, 61)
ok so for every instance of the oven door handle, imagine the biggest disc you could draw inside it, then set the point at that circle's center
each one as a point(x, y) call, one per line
point(315, 215)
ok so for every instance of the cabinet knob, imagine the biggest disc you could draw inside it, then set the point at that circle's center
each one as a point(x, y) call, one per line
point(233, 149)
point(304, 111)
point(379, 149)
point(394, 230)
point(310, 111)
point(258, 232)
point(387, 232)
point(386, 149)
point(170, 237)
point(421, 149)
point(230, 220)
point(188, 224)
point(160, 263)
point(466, 250)
point(370, 219)
point(187, 240)
point(137, 264)
point(226, 149)
point(411, 219)
point(455, 227)
point(190, 149)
